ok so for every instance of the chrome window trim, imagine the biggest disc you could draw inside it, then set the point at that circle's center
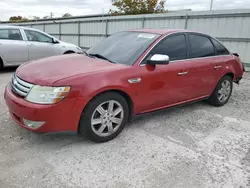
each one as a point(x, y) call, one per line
point(141, 65)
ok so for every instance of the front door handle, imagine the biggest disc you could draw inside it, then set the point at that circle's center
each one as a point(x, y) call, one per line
point(31, 44)
point(182, 73)
point(217, 67)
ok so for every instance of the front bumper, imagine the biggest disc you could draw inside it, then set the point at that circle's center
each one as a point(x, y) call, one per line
point(60, 117)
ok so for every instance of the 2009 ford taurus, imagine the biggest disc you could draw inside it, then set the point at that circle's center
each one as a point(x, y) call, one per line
point(127, 74)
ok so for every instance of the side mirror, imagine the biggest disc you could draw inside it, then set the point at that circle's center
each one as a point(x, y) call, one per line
point(158, 59)
point(54, 41)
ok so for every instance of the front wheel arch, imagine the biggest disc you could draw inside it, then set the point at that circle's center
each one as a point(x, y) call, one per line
point(85, 127)
point(120, 92)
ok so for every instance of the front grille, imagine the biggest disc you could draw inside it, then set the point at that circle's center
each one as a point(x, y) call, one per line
point(20, 87)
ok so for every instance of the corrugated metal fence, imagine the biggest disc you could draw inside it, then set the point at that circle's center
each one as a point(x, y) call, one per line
point(231, 27)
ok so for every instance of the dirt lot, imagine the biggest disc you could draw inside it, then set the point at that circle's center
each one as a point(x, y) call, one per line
point(193, 146)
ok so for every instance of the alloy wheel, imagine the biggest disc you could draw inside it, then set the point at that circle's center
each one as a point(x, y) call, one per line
point(224, 91)
point(107, 118)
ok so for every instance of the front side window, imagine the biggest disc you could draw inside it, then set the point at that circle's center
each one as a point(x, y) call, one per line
point(37, 36)
point(220, 49)
point(124, 47)
point(200, 46)
point(173, 46)
point(10, 34)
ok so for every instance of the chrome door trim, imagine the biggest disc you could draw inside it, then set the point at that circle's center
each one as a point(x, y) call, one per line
point(217, 67)
point(141, 65)
point(182, 73)
point(134, 80)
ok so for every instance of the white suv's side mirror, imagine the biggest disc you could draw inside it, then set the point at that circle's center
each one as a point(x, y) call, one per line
point(54, 41)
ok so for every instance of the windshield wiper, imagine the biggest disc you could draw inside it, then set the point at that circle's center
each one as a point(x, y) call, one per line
point(102, 57)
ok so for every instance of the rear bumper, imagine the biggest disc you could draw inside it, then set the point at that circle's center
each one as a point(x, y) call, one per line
point(60, 117)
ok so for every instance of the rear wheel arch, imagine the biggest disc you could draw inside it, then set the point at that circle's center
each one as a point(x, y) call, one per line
point(69, 52)
point(1, 63)
point(229, 74)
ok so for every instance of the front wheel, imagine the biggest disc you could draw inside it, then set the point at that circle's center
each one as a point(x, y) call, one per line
point(104, 117)
point(222, 92)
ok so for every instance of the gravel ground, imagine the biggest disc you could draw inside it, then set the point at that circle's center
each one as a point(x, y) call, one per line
point(193, 146)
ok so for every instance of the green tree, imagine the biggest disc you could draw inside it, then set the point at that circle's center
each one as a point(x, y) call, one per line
point(138, 6)
point(18, 19)
point(66, 15)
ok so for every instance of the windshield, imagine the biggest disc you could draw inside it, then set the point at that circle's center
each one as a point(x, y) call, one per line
point(124, 47)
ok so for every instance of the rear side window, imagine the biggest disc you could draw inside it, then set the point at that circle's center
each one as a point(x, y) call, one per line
point(174, 46)
point(200, 46)
point(10, 34)
point(220, 49)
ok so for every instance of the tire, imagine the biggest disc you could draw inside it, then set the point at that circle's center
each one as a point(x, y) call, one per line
point(1, 64)
point(68, 52)
point(96, 122)
point(222, 89)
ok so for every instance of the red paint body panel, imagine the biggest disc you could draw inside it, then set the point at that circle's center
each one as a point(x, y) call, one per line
point(49, 70)
point(160, 86)
point(63, 116)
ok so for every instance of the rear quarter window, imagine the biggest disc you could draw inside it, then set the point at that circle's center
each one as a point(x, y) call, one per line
point(220, 49)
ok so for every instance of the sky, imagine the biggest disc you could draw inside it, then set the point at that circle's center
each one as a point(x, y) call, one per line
point(41, 8)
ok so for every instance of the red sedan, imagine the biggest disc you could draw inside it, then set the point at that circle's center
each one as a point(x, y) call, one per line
point(128, 73)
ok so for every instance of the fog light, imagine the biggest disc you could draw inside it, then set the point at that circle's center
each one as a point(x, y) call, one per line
point(33, 124)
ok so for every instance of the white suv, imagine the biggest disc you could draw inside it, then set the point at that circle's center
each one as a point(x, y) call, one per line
point(21, 44)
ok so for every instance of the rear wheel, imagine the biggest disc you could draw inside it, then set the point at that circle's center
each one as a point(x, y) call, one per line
point(222, 92)
point(69, 52)
point(104, 117)
point(1, 63)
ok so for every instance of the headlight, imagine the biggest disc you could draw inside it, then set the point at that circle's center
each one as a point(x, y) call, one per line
point(47, 95)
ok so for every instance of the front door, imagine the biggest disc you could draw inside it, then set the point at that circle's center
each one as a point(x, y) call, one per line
point(170, 84)
point(13, 49)
point(39, 45)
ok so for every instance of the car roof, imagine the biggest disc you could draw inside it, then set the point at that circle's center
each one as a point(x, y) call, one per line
point(16, 27)
point(164, 31)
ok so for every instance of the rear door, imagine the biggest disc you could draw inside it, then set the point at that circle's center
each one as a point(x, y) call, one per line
point(223, 56)
point(39, 45)
point(202, 55)
point(13, 48)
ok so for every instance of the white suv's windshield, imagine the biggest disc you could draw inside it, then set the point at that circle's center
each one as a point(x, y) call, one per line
point(124, 47)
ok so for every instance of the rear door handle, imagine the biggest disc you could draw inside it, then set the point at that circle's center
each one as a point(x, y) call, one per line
point(31, 45)
point(182, 73)
point(217, 67)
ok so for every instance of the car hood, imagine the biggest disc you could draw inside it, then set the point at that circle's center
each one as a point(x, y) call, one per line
point(49, 70)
